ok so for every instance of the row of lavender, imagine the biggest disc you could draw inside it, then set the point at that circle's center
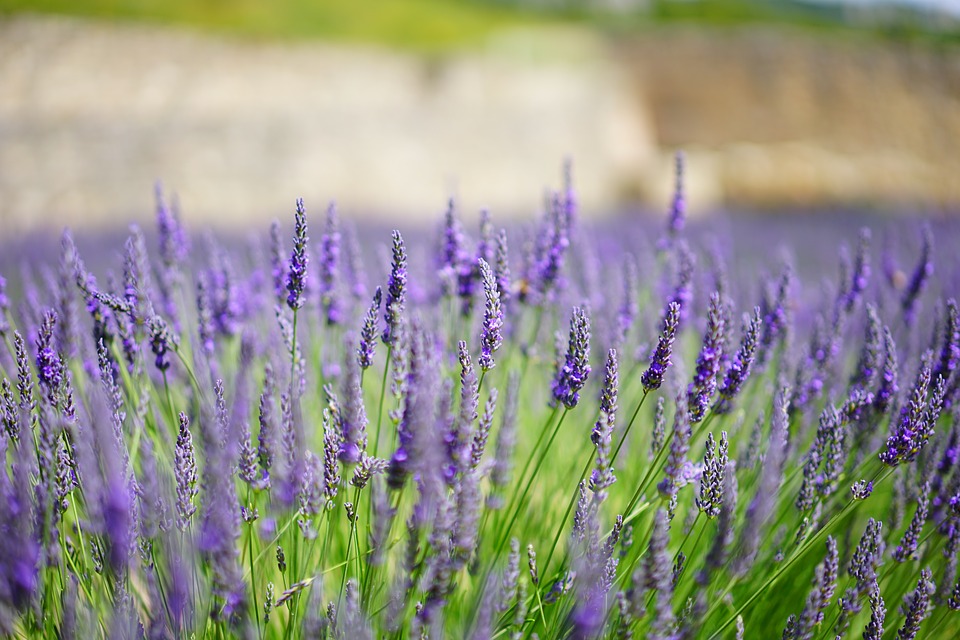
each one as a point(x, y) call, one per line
point(262, 443)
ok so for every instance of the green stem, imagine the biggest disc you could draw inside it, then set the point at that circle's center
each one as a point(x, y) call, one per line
point(806, 546)
point(383, 393)
point(626, 432)
point(566, 514)
point(253, 581)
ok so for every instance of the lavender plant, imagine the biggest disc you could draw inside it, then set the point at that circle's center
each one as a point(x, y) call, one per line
point(206, 445)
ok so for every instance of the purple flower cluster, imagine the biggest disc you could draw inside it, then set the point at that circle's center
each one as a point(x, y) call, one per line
point(205, 451)
point(572, 374)
point(660, 358)
point(297, 272)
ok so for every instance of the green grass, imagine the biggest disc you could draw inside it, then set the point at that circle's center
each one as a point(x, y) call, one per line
point(418, 24)
point(436, 26)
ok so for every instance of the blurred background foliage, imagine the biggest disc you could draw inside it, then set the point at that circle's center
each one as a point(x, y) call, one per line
point(438, 25)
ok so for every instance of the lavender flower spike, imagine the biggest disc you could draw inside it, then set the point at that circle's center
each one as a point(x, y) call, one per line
point(185, 469)
point(704, 382)
point(907, 549)
point(739, 369)
point(878, 612)
point(353, 417)
point(368, 334)
point(330, 268)
point(160, 342)
point(49, 363)
point(660, 359)
point(572, 375)
point(297, 273)
point(711, 480)
point(904, 443)
point(673, 470)
point(492, 337)
point(396, 290)
point(608, 398)
point(918, 280)
point(678, 207)
point(888, 375)
point(916, 606)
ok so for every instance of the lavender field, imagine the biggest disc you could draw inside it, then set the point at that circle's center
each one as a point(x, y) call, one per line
point(566, 429)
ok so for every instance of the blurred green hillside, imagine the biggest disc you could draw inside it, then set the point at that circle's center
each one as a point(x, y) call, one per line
point(438, 25)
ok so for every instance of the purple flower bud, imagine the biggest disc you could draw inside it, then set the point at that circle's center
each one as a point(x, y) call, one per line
point(297, 272)
point(824, 585)
point(656, 575)
point(861, 489)
point(861, 271)
point(710, 501)
point(49, 363)
point(502, 261)
point(572, 375)
point(491, 337)
point(629, 308)
point(9, 412)
point(878, 612)
point(160, 342)
point(185, 470)
point(660, 358)
point(366, 469)
point(907, 548)
point(506, 441)
point(864, 564)
point(267, 436)
point(953, 602)
point(608, 397)
point(396, 290)
point(678, 206)
point(701, 390)
point(452, 259)
point(331, 459)
point(888, 378)
point(921, 274)
point(911, 433)
point(136, 275)
point(483, 430)
point(739, 369)
point(67, 333)
point(353, 416)
point(773, 307)
point(679, 446)
point(916, 606)
point(602, 476)
point(174, 249)
point(205, 329)
point(368, 334)
point(683, 292)
point(310, 496)
point(544, 269)
point(24, 375)
point(330, 269)
point(354, 264)
point(659, 433)
point(949, 358)
point(458, 438)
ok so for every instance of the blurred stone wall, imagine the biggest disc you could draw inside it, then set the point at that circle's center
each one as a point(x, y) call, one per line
point(789, 118)
point(92, 114)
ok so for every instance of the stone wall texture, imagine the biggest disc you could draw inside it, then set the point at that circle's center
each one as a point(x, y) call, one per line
point(92, 114)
